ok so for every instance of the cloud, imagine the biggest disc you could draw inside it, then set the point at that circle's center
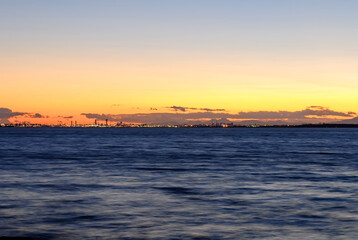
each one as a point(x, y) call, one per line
point(212, 110)
point(36, 115)
point(176, 108)
point(316, 108)
point(304, 114)
point(184, 109)
point(6, 113)
point(103, 117)
point(67, 117)
point(313, 114)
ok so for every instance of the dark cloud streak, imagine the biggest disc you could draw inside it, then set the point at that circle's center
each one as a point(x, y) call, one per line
point(66, 117)
point(36, 115)
point(184, 109)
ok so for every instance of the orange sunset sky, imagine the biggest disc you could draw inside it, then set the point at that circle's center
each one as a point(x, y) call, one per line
point(236, 60)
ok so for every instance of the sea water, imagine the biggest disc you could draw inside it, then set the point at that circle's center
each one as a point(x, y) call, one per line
point(184, 183)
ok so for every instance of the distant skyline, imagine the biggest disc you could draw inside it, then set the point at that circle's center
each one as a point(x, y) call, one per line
point(178, 60)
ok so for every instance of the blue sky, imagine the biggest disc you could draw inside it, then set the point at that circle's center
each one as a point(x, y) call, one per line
point(275, 27)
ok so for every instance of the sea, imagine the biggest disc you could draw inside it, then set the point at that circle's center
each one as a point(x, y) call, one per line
point(179, 183)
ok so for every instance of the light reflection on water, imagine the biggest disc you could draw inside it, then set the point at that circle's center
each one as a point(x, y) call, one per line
point(179, 183)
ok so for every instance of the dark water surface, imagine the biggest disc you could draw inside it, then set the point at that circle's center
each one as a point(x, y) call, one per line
point(256, 183)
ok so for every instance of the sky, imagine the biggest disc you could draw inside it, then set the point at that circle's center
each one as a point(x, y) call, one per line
point(61, 60)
